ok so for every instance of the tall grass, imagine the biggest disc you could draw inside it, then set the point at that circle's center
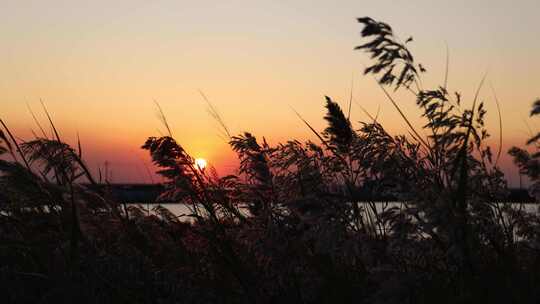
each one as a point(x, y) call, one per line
point(288, 227)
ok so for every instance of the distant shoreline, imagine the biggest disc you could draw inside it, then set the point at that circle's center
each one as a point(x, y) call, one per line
point(140, 193)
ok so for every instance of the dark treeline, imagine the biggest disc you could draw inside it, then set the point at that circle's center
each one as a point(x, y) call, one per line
point(149, 194)
point(284, 230)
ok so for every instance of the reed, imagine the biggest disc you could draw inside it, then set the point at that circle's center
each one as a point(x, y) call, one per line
point(289, 226)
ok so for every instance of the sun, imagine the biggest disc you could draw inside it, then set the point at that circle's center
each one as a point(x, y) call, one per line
point(200, 163)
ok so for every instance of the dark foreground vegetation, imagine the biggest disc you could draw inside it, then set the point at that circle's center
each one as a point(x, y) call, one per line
point(285, 229)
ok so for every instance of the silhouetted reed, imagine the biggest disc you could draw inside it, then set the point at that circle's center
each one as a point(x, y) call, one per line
point(299, 223)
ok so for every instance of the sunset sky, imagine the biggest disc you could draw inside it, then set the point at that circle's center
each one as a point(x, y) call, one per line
point(99, 66)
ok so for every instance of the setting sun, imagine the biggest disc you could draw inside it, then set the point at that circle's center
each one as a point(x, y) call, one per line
point(200, 163)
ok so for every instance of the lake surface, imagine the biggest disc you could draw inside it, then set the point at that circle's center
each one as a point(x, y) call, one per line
point(183, 210)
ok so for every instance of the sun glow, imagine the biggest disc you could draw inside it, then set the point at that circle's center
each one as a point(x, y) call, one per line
point(200, 163)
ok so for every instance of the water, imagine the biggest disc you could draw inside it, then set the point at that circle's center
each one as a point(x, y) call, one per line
point(182, 209)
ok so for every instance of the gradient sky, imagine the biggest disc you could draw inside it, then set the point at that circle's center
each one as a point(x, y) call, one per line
point(99, 65)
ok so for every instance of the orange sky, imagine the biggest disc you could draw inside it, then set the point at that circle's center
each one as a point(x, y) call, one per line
point(99, 66)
